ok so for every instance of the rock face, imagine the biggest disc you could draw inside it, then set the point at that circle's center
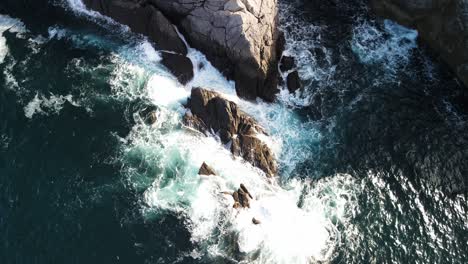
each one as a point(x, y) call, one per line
point(210, 112)
point(240, 37)
point(206, 170)
point(442, 24)
point(145, 19)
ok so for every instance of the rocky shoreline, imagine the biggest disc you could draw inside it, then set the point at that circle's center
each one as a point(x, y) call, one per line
point(242, 40)
point(442, 24)
point(239, 37)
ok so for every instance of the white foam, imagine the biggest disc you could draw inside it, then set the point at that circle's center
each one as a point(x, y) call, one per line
point(43, 105)
point(391, 46)
point(12, 25)
point(170, 156)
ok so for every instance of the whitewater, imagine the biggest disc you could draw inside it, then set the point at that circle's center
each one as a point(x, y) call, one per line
point(307, 216)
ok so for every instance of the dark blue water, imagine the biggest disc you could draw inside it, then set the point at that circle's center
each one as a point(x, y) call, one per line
point(373, 164)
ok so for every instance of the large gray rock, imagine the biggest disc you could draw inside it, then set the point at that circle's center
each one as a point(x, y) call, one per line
point(240, 37)
point(442, 24)
point(210, 112)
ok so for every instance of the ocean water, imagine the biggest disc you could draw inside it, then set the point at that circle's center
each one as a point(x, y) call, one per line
point(367, 149)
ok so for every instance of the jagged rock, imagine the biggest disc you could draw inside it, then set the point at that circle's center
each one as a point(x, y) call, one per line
point(242, 186)
point(179, 65)
point(210, 111)
point(256, 221)
point(242, 198)
point(442, 24)
point(239, 37)
point(293, 81)
point(206, 170)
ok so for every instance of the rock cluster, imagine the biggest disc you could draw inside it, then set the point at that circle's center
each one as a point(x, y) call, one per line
point(442, 24)
point(242, 197)
point(287, 66)
point(210, 112)
point(239, 37)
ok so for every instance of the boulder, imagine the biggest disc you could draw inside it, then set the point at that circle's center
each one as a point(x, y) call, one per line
point(442, 24)
point(239, 37)
point(179, 65)
point(211, 112)
point(293, 81)
point(256, 221)
point(287, 63)
point(206, 170)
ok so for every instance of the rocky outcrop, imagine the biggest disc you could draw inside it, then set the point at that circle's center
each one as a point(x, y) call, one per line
point(210, 112)
point(239, 37)
point(206, 170)
point(442, 24)
point(287, 67)
point(242, 197)
point(146, 19)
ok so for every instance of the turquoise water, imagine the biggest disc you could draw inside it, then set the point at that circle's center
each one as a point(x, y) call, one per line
point(361, 148)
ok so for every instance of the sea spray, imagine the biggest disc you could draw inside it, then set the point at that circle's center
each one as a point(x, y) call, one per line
point(176, 154)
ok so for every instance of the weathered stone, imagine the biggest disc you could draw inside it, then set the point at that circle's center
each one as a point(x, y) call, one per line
point(240, 37)
point(206, 170)
point(256, 221)
point(442, 24)
point(232, 125)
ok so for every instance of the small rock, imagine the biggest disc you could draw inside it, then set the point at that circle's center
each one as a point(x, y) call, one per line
point(256, 221)
point(287, 63)
point(206, 170)
point(242, 186)
point(179, 65)
point(293, 81)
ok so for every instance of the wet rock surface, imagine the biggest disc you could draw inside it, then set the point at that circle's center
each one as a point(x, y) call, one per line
point(205, 169)
point(240, 37)
point(210, 112)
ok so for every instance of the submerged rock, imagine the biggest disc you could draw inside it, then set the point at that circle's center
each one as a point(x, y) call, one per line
point(442, 24)
point(206, 170)
point(209, 111)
